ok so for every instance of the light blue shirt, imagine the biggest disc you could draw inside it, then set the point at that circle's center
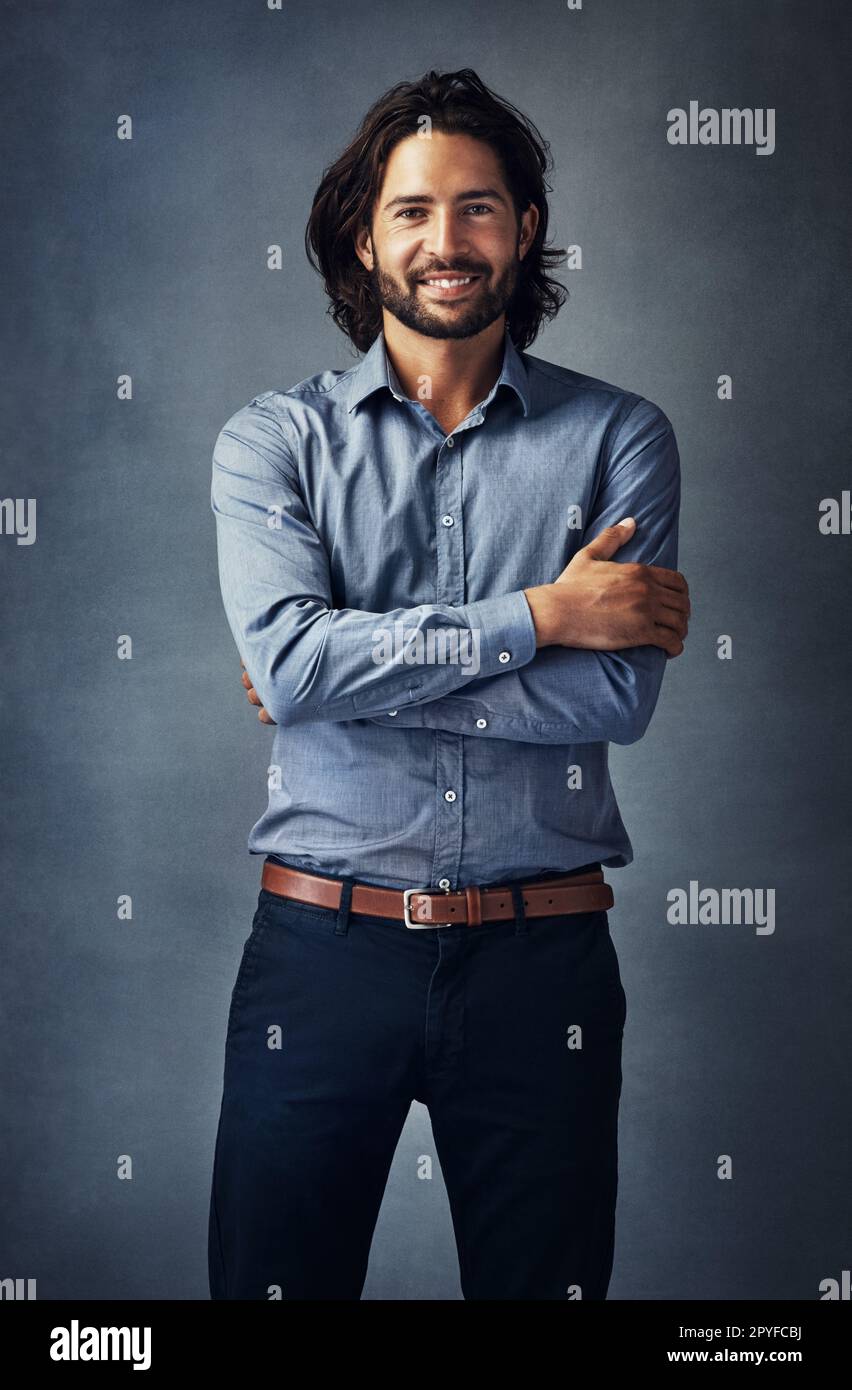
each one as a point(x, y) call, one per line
point(372, 570)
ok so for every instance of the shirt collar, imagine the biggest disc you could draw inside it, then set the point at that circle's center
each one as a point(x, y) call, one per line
point(375, 371)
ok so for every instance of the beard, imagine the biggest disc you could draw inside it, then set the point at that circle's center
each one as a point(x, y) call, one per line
point(486, 304)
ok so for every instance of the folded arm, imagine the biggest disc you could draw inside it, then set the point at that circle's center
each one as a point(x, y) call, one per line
point(307, 660)
point(569, 694)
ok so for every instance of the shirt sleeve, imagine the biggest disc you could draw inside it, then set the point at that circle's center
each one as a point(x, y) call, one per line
point(570, 694)
point(310, 661)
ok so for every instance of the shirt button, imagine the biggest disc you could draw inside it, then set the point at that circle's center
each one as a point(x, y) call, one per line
point(446, 521)
point(450, 442)
point(504, 657)
point(443, 883)
point(392, 712)
point(482, 723)
point(449, 796)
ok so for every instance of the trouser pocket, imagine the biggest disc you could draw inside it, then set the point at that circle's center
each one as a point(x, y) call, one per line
point(248, 960)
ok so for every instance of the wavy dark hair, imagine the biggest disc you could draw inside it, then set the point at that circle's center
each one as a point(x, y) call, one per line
point(456, 103)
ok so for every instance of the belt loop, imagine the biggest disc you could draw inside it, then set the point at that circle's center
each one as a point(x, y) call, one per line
point(343, 909)
point(520, 914)
point(473, 905)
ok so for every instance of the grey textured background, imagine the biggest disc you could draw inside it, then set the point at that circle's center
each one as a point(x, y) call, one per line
point(144, 776)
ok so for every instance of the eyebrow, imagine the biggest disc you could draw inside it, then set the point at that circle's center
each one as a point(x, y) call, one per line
point(467, 196)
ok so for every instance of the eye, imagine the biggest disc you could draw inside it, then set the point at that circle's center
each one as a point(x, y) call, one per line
point(407, 213)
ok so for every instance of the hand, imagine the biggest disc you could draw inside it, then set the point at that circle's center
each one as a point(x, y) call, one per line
point(602, 605)
point(253, 696)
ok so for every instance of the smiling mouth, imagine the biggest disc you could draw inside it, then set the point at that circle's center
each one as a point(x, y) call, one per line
point(448, 286)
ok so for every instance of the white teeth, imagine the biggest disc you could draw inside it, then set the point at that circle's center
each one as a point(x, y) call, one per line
point(449, 284)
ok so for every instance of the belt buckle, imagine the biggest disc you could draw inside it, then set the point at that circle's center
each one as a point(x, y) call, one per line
point(406, 911)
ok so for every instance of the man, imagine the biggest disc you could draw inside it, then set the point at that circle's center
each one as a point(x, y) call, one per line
point(449, 574)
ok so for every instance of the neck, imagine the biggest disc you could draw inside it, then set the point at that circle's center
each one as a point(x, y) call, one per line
point(460, 371)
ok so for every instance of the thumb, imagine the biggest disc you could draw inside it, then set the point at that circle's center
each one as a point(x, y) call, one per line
point(609, 540)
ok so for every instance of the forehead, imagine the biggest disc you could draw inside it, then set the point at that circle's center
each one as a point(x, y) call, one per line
point(440, 163)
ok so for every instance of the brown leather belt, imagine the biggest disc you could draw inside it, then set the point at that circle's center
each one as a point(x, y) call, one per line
point(422, 907)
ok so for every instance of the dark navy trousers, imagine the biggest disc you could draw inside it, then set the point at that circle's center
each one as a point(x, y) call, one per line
point(509, 1032)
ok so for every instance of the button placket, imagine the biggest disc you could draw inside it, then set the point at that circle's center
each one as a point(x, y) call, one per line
point(451, 585)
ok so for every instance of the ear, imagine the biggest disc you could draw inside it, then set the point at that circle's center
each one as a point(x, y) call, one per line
point(364, 247)
point(528, 228)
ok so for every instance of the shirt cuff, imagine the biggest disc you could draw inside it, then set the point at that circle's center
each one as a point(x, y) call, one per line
point(506, 631)
point(504, 634)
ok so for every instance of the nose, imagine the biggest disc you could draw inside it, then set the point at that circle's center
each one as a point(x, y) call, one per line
point(446, 237)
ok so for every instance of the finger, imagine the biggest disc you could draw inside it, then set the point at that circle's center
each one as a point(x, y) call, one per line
point(672, 617)
point(253, 696)
point(674, 599)
point(603, 546)
point(667, 638)
point(670, 579)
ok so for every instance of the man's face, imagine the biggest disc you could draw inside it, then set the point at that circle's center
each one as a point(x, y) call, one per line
point(444, 213)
